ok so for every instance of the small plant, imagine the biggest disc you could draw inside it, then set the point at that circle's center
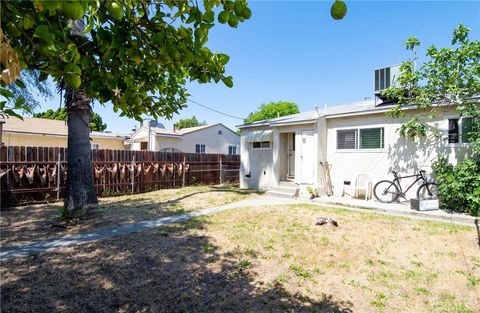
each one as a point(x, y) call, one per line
point(313, 192)
point(244, 264)
point(299, 271)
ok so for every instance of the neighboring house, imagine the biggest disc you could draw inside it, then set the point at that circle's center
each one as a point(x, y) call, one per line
point(354, 138)
point(32, 131)
point(215, 138)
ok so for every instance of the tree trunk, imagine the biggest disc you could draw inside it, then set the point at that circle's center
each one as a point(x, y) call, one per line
point(80, 193)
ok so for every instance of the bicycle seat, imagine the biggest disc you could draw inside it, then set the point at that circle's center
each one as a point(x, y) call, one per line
point(395, 173)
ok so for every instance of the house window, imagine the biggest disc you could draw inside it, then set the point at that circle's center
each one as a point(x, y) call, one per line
point(200, 148)
point(467, 127)
point(232, 149)
point(94, 146)
point(371, 138)
point(219, 132)
point(363, 138)
point(347, 139)
point(261, 145)
point(459, 129)
point(143, 145)
point(453, 131)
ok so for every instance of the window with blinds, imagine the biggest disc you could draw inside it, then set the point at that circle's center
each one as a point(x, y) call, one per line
point(371, 138)
point(347, 139)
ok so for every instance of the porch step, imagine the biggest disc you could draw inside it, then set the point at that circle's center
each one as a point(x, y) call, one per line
point(287, 184)
point(283, 191)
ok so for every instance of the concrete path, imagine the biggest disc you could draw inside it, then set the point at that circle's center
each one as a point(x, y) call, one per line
point(352, 204)
point(397, 209)
point(51, 244)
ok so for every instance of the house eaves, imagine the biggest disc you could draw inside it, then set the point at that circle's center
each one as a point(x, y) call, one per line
point(295, 123)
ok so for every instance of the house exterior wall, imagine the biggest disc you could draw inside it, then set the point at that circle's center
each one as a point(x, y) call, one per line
point(56, 141)
point(267, 167)
point(256, 167)
point(214, 142)
point(403, 155)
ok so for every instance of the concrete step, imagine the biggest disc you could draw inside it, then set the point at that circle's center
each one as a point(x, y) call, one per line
point(278, 194)
point(287, 184)
point(284, 189)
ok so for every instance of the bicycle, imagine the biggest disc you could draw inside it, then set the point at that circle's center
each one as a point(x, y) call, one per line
point(387, 191)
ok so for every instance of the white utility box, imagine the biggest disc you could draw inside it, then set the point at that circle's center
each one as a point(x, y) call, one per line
point(424, 205)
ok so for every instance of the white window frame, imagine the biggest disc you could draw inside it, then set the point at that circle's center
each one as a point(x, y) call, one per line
point(200, 148)
point(234, 148)
point(460, 142)
point(261, 143)
point(358, 149)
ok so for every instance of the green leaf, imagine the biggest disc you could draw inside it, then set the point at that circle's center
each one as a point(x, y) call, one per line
point(223, 58)
point(91, 23)
point(6, 93)
point(228, 81)
point(43, 33)
point(19, 83)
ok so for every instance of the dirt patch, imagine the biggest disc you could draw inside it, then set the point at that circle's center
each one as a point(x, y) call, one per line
point(33, 223)
point(261, 259)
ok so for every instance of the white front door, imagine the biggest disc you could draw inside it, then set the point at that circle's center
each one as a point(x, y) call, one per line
point(307, 157)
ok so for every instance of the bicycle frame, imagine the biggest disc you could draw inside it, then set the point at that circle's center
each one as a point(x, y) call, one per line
point(397, 179)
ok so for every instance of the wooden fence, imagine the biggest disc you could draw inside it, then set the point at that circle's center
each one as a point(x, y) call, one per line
point(32, 174)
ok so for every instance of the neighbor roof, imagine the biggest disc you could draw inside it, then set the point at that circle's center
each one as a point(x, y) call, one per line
point(180, 132)
point(43, 126)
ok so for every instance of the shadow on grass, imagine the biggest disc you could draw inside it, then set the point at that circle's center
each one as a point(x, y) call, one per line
point(166, 269)
point(33, 223)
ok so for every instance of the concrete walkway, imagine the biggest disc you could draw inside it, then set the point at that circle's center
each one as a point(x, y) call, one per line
point(51, 244)
point(349, 204)
point(397, 209)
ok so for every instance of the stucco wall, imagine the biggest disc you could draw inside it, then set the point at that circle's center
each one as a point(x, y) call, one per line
point(214, 142)
point(52, 141)
point(403, 155)
point(256, 163)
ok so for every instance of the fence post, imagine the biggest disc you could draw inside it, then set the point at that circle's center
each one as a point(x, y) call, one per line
point(183, 172)
point(133, 173)
point(58, 176)
point(221, 170)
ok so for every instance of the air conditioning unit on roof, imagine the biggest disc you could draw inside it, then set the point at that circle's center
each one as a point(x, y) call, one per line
point(384, 78)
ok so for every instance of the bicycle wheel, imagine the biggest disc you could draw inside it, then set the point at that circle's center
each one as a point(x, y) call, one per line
point(427, 191)
point(386, 191)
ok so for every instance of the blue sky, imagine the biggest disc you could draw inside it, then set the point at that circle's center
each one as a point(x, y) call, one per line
point(294, 50)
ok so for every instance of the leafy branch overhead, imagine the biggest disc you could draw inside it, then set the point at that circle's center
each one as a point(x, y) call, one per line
point(138, 54)
point(448, 77)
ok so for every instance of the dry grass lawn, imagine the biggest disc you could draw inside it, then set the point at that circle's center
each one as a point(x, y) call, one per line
point(32, 223)
point(262, 259)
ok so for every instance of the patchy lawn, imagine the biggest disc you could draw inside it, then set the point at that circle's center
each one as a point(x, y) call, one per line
point(32, 223)
point(263, 259)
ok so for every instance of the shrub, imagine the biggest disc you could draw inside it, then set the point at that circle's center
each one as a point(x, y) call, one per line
point(459, 185)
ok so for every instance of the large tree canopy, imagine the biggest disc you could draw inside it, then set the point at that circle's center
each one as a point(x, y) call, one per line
point(272, 110)
point(138, 54)
point(189, 122)
point(96, 124)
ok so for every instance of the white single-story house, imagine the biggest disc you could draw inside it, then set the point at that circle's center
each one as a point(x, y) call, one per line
point(356, 138)
point(215, 138)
